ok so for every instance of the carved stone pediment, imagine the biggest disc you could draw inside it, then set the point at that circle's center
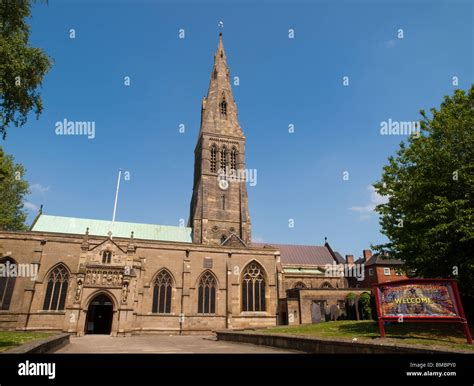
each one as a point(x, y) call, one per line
point(110, 245)
point(234, 241)
point(116, 255)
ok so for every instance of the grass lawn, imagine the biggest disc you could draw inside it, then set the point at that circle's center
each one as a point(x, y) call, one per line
point(427, 334)
point(10, 339)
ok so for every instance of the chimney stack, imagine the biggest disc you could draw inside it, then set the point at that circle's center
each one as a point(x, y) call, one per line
point(350, 259)
point(367, 253)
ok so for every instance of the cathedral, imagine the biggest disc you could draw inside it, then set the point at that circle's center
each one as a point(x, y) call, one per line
point(118, 278)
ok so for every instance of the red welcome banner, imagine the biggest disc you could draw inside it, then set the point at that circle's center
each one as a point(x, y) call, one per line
point(436, 299)
point(420, 300)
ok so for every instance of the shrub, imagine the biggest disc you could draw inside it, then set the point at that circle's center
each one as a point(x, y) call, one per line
point(365, 306)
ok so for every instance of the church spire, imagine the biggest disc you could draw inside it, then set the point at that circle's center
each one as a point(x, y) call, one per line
point(219, 110)
point(219, 208)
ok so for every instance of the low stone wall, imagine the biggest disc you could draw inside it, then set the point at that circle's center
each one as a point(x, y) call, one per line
point(41, 346)
point(325, 346)
point(331, 297)
point(8, 322)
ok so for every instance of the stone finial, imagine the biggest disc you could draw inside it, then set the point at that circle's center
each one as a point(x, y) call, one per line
point(85, 241)
point(131, 246)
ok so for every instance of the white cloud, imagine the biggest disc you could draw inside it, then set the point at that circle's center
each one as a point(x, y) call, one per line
point(363, 209)
point(375, 199)
point(30, 206)
point(39, 188)
point(258, 239)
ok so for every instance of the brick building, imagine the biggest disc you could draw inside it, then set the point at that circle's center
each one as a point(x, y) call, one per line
point(377, 269)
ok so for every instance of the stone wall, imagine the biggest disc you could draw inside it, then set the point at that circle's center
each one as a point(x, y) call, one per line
point(41, 346)
point(324, 345)
point(312, 281)
point(300, 302)
point(132, 304)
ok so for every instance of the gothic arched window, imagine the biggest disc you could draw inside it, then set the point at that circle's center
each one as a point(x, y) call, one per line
point(223, 106)
point(213, 159)
point(162, 287)
point(233, 159)
point(223, 158)
point(253, 288)
point(56, 289)
point(207, 293)
point(300, 285)
point(326, 284)
point(106, 257)
point(7, 284)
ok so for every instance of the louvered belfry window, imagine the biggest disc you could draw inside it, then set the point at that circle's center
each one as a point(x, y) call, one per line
point(213, 159)
point(223, 158)
point(223, 106)
point(233, 159)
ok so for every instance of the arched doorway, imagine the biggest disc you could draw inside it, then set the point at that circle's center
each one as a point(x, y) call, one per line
point(99, 315)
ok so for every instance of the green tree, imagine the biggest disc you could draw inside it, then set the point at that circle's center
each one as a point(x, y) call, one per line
point(429, 216)
point(13, 189)
point(22, 67)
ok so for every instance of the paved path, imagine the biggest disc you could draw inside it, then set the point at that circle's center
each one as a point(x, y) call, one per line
point(161, 344)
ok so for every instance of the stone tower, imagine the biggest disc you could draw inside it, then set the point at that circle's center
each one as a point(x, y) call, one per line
point(219, 205)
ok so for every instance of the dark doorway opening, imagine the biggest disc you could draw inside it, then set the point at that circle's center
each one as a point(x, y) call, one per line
point(99, 315)
point(318, 312)
point(284, 319)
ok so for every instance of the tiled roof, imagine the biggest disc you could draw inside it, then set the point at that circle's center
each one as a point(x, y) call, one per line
point(379, 260)
point(303, 270)
point(78, 226)
point(301, 254)
point(339, 258)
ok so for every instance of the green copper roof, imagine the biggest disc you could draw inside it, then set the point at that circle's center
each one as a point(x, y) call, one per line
point(313, 271)
point(78, 226)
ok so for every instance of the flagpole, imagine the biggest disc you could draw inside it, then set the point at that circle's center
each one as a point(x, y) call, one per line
point(116, 195)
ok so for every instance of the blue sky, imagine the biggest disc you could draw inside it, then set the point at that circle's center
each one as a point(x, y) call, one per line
point(282, 81)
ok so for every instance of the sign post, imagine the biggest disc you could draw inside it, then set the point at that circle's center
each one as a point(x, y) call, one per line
point(420, 300)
